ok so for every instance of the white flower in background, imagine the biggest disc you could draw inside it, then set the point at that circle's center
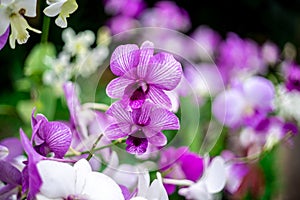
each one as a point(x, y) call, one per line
point(77, 44)
point(62, 8)
point(59, 73)
point(126, 174)
point(86, 64)
point(287, 103)
point(212, 181)
point(155, 191)
point(62, 181)
point(11, 12)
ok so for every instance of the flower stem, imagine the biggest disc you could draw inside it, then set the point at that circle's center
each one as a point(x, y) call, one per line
point(96, 106)
point(97, 149)
point(92, 151)
point(45, 30)
point(183, 182)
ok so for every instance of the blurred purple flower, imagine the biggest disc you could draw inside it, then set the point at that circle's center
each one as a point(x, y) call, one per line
point(143, 75)
point(208, 40)
point(122, 23)
point(131, 8)
point(235, 171)
point(50, 136)
point(238, 56)
point(166, 14)
point(4, 37)
point(180, 164)
point(270, 53)
point(232, 107)
point(292, 72)
point(142, 126)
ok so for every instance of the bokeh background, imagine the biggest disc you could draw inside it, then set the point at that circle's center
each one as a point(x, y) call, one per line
point(260, 20)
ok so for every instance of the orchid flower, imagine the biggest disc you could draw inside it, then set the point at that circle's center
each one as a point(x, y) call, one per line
point(212, 181)
point(176, 164)
point(237, 105)
point(11, 15)
point(62, 8)
point(142, 126)
point(62, 181)
point(145, 191)
point(142, 75)
point(50, 136)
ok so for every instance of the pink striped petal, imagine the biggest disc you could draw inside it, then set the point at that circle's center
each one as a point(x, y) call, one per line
point(4, 37)
point(116, 87)
point(116, 131)
point(158, 139)
point(124, 58)
point(164, 71)
point(146, 52)
point(159, 97)
point(117, 111)
point(162, 119)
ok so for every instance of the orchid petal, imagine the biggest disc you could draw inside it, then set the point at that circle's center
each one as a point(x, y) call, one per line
point(112, 165)
point(13, 146)
point(141, 116)
point(99, 185)
point(159, 97)
point(116, 131)
point(124, 58)
point(259, 92)
point(28, 5)
point(4, 37)
point(143, 183)
point(4, 22)
point(159, 139)
point(82, 169)
point(54, 9)
point(57, 136)
point(117, 111)
point(164, 71)
point(9, 174)
point(35, 181)
point(116, 87)
point(228, 107)
point(215, 178)
point(146, 52)
point(162, 119)
point(58, 179)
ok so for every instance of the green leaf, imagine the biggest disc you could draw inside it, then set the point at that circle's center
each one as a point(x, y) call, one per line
point(24, 109)
point(36, 64)
point(46, 103)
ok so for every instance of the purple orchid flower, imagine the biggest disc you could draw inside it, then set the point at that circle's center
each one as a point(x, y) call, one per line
point(142, 75)
point(235, 171)
point(240, 103)
point(4, 37)
point(31, 178)
point(50, 136)
point(238, 56)
point(141, 126)
point(10, 174)
point(177, 162)
point(130, 8)
point(292, 77)
point(159, 16)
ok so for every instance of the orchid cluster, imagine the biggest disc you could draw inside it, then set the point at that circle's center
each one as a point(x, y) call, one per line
point(139, 137)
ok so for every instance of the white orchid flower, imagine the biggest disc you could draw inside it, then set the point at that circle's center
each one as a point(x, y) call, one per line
point(62, 181)
point(11, 12)
point(155, 191)
point(62, 8)
point(213, 181)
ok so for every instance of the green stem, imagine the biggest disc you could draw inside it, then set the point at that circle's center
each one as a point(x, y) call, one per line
point(97, 149)
point(45, 30)
point(92, 151)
